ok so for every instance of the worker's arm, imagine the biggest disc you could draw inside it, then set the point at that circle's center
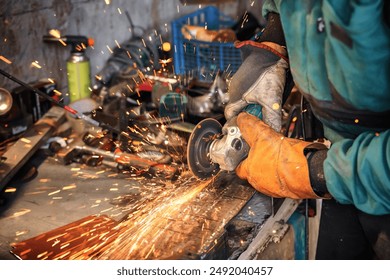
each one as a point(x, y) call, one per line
point(261, 80)
point(358, 172)
point(278, 166)
point(261, 77)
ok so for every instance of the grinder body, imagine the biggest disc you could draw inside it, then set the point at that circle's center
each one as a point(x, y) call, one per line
point(212, 148)
point(230, 150)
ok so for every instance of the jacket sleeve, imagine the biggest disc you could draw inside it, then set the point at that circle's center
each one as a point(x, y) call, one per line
point(358, 172)
point(270, 6)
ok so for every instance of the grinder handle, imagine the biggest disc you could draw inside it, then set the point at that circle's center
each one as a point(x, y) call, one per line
point(254, 109)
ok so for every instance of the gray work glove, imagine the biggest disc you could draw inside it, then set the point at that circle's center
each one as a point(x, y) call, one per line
point(259, 80)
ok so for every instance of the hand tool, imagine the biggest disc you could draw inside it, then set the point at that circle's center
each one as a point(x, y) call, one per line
point(123, 159)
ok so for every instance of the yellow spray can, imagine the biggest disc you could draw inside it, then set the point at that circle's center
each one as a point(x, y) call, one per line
point(77, 65)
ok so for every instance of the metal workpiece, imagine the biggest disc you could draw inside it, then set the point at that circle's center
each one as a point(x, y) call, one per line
point(188, 220)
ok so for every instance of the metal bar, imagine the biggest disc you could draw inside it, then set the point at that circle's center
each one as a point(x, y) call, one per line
point(21, 151)
point(269, 228)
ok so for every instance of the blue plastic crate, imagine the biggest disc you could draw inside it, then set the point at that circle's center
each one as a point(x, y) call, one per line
point(200, 59)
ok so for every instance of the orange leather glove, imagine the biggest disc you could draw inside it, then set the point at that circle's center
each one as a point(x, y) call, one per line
point(276, 165)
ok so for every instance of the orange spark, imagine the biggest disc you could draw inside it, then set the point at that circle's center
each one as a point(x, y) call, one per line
point(20, 213)
point(62, 42)
point(25, 140)
point(58, 93)
point(69, 187)
point(57, 191)
point(55, 33)
point(5, 59)
point(36, 64)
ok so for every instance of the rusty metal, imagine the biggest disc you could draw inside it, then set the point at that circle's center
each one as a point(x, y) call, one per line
point(78, 240)
point(124, 160)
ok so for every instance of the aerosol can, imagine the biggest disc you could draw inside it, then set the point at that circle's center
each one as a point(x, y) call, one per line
point(77, 65)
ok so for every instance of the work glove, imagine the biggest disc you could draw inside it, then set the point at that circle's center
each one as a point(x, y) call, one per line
point(259, 80)
point(276, 165)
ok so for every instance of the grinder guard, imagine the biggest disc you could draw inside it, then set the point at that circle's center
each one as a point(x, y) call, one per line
point(209, 150)
point(198, 149)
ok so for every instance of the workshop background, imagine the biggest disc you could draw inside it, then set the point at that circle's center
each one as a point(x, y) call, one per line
point(24, 23)
point(115, 183)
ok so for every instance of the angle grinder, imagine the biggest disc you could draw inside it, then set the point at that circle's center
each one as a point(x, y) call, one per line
point(212, 148)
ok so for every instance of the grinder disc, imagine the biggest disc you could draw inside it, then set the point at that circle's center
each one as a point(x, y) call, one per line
point(198, 148)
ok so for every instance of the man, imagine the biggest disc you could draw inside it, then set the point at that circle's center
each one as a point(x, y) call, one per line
point(339, 56)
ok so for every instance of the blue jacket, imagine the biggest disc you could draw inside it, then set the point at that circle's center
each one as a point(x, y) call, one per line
point(339, 55)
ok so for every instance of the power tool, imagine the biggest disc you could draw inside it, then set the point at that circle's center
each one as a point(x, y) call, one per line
point(212, 147)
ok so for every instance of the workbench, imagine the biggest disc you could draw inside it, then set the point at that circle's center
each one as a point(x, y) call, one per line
point(77, 211)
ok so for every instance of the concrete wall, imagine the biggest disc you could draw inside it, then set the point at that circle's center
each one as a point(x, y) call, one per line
point(23, 23)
